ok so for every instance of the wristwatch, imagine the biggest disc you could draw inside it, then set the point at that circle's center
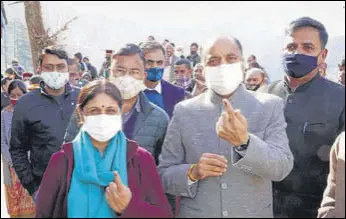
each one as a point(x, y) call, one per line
point(243, 147)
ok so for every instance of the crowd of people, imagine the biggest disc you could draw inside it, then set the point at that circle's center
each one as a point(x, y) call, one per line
point(158, 134)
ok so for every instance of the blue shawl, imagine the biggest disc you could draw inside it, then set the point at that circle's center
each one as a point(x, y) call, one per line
point(93, 173)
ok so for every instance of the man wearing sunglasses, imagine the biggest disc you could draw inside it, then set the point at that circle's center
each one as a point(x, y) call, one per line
point(159, 91)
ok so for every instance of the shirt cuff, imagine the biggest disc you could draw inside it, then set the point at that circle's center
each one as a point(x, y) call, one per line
point(190, 182)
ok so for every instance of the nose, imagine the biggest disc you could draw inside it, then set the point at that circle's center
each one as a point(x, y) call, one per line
point(223, 61)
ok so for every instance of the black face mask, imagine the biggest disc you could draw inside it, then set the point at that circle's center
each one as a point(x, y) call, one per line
point(108, 59)
point(253, 87)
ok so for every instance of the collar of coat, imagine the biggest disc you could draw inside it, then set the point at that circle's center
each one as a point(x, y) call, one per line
point(68, 89)
point(238, 95)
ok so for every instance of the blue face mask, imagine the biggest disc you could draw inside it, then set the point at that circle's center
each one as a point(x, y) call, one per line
point(155, 74)
point(298, 65)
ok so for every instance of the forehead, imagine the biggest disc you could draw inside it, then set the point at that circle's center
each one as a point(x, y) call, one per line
point(72, 67)
point(169, 48)
point(155, 55)
point(53, 60)
point(255, 74)
point(132, 61)
point(304, 35)
point(181, 67)
point(102, 100)
point(223, 47)
point(16, 90)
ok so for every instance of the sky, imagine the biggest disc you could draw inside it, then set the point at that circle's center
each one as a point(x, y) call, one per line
point(258, 25)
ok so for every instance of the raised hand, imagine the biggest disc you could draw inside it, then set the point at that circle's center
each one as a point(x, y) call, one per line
point(118, 195)
point(232, 126)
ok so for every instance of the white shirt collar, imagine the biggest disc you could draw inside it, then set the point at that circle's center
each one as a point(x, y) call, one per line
point(158, 88)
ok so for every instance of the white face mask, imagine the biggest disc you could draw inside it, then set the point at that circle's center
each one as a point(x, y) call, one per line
point(129, 86)
point(55, 80)
point(224, 79)
point(102, 127)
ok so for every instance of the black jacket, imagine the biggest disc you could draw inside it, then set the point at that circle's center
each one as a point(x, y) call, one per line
point(315, 116)
point(38, 125)
point(5, 100)
point(90, 68)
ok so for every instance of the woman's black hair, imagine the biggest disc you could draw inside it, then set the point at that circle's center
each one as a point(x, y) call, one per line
point(17, 83)
point(93, 88)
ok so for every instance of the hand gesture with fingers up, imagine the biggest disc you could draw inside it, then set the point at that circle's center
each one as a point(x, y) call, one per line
point(118, 195)
point(232, 126)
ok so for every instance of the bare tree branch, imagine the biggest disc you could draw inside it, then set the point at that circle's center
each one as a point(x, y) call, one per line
point(63, 28)
point(17, 2)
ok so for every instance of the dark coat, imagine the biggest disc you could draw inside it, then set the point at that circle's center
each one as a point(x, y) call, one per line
point(39, 125)
point(315, 116)
point(5, 100)
point(172, 95)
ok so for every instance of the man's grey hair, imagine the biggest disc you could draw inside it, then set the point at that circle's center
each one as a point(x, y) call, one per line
point(210, 43)
point(151, 46)
point(309, 22)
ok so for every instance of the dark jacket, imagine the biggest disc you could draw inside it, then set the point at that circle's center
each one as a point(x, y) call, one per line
point(315, 116)
point(39, 125)
point(5, 100)
point(148, 199)
point(172, 95)
point(194, 59)
point(149, 128)
point(93, 71)
point(90, 68)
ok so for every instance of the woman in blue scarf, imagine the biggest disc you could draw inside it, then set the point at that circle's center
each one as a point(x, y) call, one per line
point(101, 174)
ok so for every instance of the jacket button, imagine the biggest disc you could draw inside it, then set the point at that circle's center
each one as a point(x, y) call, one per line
point(225, 213)
point(224, 186)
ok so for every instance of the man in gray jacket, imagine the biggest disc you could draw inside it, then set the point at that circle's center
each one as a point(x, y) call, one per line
point(143, 121)
point(224, 147)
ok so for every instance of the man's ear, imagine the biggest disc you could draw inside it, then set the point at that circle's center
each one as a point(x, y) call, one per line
point(324, 54)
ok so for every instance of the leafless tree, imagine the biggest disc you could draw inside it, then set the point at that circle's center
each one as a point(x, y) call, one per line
point(39, 36)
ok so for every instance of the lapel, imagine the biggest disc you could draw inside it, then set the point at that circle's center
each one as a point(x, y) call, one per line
point(165, 94)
